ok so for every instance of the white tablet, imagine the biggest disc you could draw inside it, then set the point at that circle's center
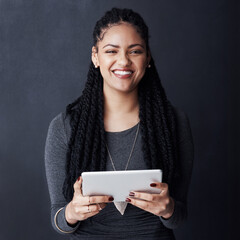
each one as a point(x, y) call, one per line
point(120, 183)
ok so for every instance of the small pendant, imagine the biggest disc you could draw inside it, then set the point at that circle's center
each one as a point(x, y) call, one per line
point(121, 206)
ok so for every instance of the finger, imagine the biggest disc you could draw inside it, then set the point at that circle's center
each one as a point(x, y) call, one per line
point(87, 200)
point(92, 208)
point(90, 214)
point(84, 212)
point(152, 207)
point(145, 205)
point(96, 207)
point(102, 205)
point(78, 186)
point(159, 185)
point(145, 196)
point(100, 199)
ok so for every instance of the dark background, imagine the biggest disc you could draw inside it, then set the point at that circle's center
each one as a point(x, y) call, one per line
point(45, 48)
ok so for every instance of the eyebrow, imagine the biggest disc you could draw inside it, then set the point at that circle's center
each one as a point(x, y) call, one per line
point(131, 46)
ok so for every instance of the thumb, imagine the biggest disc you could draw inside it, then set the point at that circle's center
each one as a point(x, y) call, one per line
point(78, 186)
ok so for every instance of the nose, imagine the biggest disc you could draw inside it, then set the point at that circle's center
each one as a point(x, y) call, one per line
point(123, 59)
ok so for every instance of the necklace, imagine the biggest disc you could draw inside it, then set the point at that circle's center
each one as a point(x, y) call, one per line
point(130, 152)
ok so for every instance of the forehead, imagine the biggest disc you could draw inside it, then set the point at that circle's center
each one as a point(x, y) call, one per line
point(122, 34)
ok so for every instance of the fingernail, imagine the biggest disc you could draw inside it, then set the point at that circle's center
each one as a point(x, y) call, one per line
point(99, 207)
point(79, 178)
point(111, 199)
point(131, 194)
point(153, 184)
point(128, 200)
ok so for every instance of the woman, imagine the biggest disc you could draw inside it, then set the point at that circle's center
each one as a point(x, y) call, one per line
point(121, 121)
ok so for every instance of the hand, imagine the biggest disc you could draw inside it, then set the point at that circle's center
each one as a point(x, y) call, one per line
point(81, 208)
point(160, 204)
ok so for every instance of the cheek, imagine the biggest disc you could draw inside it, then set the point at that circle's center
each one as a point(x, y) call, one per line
point(142, 67)
point(105, 67)
point(142, 63)
point(105, 62)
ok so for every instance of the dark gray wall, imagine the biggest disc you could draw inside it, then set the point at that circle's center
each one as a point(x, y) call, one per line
point(45, 51)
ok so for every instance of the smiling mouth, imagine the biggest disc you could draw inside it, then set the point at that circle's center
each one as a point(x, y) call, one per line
point(122, 73)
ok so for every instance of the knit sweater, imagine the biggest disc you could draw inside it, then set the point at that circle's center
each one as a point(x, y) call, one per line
point(109, 223)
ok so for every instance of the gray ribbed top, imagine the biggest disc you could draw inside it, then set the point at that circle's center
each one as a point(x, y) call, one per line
point(109, 223)
point(120, 145)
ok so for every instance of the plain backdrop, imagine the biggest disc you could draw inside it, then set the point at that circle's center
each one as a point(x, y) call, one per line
point(45, 49)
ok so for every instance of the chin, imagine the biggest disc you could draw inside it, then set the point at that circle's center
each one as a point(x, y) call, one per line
point(122, 87)
point(126, 89)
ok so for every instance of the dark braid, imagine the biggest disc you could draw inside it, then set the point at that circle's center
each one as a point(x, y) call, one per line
point(85, 151)
point(86, 148)
point(158, 125)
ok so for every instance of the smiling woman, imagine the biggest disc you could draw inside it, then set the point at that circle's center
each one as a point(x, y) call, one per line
point(122, 57)
point(122, 121)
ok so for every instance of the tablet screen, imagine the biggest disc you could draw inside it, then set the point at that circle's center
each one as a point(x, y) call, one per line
point(120, 183)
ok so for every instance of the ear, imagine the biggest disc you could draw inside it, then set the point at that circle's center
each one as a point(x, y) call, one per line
point(148, 57)
point(95, 56)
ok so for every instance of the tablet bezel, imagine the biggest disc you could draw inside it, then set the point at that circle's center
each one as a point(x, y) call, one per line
point(118, 184)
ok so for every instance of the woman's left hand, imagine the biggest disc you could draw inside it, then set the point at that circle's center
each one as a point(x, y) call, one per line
point(160, 204)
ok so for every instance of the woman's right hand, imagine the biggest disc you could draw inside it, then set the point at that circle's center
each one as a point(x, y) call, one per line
point(81, 208)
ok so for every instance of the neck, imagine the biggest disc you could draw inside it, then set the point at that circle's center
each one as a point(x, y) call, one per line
point(121, 104)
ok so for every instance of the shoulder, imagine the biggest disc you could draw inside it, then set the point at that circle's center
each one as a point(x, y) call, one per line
point(183, 127)
point(180, 115)
point(57, 122)
point(60, 120)
point(59, 126)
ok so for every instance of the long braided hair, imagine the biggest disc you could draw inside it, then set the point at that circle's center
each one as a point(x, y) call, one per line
point(86, 147)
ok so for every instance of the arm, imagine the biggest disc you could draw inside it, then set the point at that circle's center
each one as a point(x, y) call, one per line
point(80, 208)
point(171, 204)
point(55, 158)
point(179, 189)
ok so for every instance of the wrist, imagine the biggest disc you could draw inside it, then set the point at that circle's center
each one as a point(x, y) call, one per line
point(170, 209)
point(68, 216)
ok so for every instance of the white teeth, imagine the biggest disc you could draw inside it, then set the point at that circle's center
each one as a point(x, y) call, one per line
point(123, 72)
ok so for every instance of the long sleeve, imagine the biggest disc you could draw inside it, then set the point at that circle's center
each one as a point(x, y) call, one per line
point(55, 158)
point(180, 187)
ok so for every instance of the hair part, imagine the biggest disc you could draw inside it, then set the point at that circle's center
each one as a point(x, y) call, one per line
point(117, 16)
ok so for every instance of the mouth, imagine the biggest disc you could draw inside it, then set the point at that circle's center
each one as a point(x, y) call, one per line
point(123, 73)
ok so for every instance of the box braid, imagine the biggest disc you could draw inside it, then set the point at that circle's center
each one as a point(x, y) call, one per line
point(86, 147)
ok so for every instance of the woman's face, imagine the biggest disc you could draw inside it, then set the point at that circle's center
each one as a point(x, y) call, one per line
point(122, 57)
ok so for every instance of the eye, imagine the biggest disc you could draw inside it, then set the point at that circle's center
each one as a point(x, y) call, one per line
point(136, 52)
point(110, 51)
